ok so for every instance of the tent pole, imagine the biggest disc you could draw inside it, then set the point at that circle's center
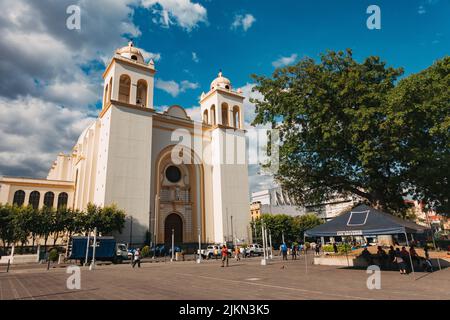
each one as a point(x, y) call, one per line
point(306, 253)
point(410, 259)
point(345, 248)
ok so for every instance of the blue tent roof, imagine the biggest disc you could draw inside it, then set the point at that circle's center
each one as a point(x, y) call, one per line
point(365, 221)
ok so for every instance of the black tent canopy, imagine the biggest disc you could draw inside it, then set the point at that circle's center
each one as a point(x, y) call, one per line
point(364, 221)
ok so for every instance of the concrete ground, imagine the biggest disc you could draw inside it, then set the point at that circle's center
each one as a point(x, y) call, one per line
point(246, 279)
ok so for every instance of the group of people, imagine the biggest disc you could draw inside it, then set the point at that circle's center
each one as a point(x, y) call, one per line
point(296, 250)
point(401, 258)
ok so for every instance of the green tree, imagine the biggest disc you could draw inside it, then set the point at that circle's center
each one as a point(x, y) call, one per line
point(418, 115)
point(46, 223)
point(23, 223)
point(342, 130)
point(107, 220)
point(7, 227)
point(306, 222)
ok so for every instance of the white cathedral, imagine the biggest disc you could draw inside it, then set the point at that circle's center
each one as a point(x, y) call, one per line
point(131, 156)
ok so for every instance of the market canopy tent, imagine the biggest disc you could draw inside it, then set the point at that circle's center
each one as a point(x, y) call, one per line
point(364, 221)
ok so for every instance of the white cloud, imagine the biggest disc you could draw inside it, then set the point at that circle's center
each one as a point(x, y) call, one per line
point(284, 61)
point(150, 55)
point(257, 181)
point(34, 131)
point(421, 10)
point(173, 88)
point(183, 13)
point(195, 57)
point(45, 91)
point(244, 21)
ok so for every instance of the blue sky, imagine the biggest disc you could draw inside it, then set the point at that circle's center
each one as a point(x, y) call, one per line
point(409, 38)
point(53, 86)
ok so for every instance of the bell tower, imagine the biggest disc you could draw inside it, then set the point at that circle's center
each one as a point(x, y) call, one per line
point(128, 79)
point(222, 105)
point(222, 109)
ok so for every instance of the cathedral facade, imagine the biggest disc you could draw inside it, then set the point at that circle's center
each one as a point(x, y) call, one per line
point(166, 171)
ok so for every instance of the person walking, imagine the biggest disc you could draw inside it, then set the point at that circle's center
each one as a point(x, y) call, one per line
point(137, 258)
point(284, 250)
point(224, 255)
point(318, 249)
point(237, 253)
point(400, 262)
point(294, 251)
point(216, 252)
point(335, 248)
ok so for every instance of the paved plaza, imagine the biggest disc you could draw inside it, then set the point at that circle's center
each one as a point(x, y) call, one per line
point(246, 279)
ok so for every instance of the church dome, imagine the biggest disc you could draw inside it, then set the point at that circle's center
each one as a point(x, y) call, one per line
point(221, 82)
point(131, 52)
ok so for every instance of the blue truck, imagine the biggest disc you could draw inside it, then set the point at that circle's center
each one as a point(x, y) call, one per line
point(107, 249)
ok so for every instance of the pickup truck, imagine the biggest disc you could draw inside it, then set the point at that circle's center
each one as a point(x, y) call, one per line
point(255, 250)
point(208, 253)
point(106, 249)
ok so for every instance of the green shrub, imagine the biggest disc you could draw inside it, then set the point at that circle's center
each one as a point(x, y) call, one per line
point(145, 251)
point(343, 248)
point(53, 255)
point(328, 248)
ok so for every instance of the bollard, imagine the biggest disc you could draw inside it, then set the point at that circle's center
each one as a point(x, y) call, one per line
point(7, 267)
point(48, 264)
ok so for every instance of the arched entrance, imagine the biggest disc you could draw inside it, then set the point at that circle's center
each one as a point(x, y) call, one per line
point(173, 221)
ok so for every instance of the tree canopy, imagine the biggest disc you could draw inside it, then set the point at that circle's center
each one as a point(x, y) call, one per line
point(353, 129)
point(279, 224)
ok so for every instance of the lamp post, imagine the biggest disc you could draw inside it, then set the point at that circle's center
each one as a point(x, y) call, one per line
point(270, 243)
point(92, 266)
point(263, 261)
point(173, 245)
point(87, 249)
point(199, 259)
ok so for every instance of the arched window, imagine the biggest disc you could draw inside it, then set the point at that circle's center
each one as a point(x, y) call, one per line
point(124, 88)
point(62, 200)
point(205, 117)
point(49, 198)
point(19, 198)
point(213, 114)
point(141, 94)
point(225, 114)
point(236, 117)
point(133, 57)
point(35, 196)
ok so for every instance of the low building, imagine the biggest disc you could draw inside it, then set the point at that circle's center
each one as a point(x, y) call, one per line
point(277, 201)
